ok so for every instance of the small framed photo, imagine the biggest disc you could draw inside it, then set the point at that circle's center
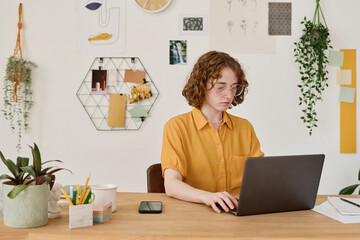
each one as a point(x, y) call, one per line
point(98, 82)
point(193, 24)
point(177, 52)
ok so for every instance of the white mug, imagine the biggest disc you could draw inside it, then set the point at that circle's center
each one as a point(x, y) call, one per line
point(105, 193)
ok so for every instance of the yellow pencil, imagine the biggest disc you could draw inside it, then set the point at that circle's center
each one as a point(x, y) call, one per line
point(83, 191)
point(86, 195)
point(77, 194)
point(67, 197)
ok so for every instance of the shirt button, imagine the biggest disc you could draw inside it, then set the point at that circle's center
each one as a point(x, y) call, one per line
point(221, 160)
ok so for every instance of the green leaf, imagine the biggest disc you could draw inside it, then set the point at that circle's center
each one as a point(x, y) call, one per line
point(30, 170)
point(36, 159)
point(52, 161)
point(58, 169)
point(2, 157)
point(12, 168)
point(45, 170)
point(10, 165)
point(348, 190)
point(359, 175)
point(5, 176)
point(16, 190)
point(22, 162)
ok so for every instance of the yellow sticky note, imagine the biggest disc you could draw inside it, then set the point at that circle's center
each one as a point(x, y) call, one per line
point(343, 77)
point(117, 106)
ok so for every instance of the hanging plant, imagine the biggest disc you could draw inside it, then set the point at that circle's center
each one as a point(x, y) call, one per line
point(17, 89)
point(310, 54)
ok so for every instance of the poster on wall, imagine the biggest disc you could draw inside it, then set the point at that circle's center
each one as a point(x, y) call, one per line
point(101, 25)
point(240, 26)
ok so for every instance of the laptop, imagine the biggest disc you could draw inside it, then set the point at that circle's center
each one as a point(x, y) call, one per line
point(279, 184)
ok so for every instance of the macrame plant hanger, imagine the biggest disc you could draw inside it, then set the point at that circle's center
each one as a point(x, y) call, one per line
point(18, 53)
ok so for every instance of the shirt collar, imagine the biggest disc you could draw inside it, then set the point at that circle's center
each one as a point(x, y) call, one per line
point(200, 120)
point(227, 120)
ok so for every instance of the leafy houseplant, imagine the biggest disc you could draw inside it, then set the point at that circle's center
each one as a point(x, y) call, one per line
point(25, 194)
point(350, 189)
point(18, 95)
point(24, 174)
point(17, 89)
point(310, 54)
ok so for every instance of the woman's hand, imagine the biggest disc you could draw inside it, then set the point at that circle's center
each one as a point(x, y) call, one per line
point(175, 187)
point(224, 199)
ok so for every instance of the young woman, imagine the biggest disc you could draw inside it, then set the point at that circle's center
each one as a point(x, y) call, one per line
point(204, 151)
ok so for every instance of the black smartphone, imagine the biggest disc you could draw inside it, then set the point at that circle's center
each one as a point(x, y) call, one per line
point(150, 207)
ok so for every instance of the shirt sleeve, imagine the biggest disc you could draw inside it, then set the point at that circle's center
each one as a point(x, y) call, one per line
point(255, 144)
point(172, 154)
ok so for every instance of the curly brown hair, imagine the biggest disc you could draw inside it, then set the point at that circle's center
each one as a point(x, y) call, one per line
point(208, 68)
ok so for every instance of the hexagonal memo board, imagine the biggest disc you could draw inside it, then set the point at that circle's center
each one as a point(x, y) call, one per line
point(97, 105)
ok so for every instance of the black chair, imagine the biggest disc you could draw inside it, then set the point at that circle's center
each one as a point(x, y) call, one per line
point(155, 181)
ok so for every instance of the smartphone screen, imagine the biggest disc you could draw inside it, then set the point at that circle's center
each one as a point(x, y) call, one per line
point(150, 207)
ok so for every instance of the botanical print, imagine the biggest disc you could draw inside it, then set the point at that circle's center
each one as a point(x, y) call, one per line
point(241, 26)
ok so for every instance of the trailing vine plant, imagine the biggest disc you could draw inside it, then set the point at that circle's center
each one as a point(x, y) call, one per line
point(17, 89)
point(310, 54)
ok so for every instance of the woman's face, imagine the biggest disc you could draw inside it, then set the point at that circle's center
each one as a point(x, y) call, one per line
point(222, 94)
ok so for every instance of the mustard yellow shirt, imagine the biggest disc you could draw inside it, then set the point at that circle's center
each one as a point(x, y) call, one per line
point(209, 159)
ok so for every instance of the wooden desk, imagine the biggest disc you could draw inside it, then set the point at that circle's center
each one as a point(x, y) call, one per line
point(183, 220)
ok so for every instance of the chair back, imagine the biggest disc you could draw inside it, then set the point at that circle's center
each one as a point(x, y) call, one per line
point(155, 181)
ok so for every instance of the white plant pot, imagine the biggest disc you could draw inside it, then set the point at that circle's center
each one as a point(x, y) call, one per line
point(29, 209)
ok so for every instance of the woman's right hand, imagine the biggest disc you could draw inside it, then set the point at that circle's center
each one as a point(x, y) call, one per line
point(224, 199)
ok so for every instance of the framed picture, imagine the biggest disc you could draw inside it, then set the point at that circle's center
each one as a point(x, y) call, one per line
point(193, 24)
point(98, 82)
point(177, 52)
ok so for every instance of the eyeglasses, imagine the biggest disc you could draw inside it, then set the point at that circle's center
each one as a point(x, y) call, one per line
point(222, 89)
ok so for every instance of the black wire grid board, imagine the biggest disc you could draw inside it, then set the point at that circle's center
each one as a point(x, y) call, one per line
point(97, 105)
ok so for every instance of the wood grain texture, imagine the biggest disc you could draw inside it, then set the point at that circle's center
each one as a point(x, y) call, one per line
point(183, 220)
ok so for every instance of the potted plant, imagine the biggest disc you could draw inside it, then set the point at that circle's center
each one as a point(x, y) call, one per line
point(310, 55)
point(350, 189)
point(18, 95)
point(17, 89)
point(25, 194)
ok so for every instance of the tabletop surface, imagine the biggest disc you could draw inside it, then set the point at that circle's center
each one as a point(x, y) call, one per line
point(184, 220)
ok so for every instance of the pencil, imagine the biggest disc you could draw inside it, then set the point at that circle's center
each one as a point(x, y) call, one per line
point(86, 195)
point(66, 196)
point(84, 189)
point(345, 200)
point(88, 198)
point(77, 194)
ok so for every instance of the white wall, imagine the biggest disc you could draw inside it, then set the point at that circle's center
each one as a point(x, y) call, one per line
point(62, 129)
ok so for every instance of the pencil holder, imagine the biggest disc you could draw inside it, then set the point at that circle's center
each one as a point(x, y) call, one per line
point(80, 216)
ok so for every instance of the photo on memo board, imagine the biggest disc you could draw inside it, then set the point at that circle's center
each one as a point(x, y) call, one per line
point(178, 53)
point(98, 83)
